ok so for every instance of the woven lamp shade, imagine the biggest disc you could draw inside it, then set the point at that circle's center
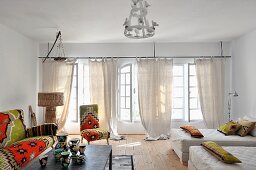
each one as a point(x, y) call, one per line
point(50, 99)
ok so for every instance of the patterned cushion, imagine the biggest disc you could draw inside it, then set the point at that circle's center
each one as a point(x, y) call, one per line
point(94, 134)
point(12, 128)
point(18, 154)
point(220, 153)
point(193, 131)
point(89, 121)
point(246, 127)
point(42, 130)
point(229, 128)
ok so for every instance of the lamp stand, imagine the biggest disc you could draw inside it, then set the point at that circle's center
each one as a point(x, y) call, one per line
point(50, 114)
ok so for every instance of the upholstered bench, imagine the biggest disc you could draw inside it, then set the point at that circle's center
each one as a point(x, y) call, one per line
point(18, 145)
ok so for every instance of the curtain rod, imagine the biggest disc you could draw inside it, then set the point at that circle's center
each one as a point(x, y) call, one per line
point(192, 57)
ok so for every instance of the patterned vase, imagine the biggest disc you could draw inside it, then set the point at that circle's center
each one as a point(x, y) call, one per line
point(62, 141)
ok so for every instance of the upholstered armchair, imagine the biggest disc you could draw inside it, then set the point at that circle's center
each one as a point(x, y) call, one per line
point(89, 124)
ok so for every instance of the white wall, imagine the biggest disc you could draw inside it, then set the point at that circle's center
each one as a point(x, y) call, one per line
point(244, 74)
point(18, 69)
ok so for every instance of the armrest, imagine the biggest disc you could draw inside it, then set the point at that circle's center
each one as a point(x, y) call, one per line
point(49, 129)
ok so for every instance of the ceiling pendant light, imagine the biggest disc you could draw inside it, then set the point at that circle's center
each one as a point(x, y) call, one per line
point(137, 25)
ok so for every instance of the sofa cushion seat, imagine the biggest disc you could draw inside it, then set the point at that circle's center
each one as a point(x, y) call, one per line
point(18, 154)
point(94, 134)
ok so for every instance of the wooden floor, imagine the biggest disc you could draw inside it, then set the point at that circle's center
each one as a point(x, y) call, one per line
point(147, 155)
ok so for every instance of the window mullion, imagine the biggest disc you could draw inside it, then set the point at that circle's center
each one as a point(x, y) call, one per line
point(189, 92)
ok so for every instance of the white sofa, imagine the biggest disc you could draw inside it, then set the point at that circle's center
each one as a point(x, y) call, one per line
point(181, 141)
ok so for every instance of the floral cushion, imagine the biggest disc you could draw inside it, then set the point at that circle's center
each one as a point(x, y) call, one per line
point(94, 134)
point(192, 131)
point(220, 153)
point(246, 127)
point(18, 154)
point(11, 122)
point(229, 128)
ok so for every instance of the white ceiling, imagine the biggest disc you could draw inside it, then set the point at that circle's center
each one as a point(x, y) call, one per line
point(101, 21)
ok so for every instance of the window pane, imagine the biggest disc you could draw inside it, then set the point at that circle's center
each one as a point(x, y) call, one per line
point(128, 89)
point(128, 102)
point(177, 113)
point(177, 103)
point(193, 81)
point(178, 70)
point(193, 92)
point(177, 81)
point(196, 115)
point(122, 102)
point(122, 91)
point(126, 69)
point(193, 103)
point(122, 79)
point(178, 92)
point(128, 81)
point(192, 69)
point(125, 114)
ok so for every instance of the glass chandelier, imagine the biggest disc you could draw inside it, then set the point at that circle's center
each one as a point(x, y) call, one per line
point(137, 26)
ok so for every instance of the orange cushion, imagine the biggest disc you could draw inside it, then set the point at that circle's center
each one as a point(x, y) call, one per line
point(194, 132)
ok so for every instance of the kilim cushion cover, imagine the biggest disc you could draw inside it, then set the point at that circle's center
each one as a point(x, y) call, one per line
point(94, 134)
point(246, 127)
point(17, 155)
point(89, 124)
point(220, 153)
point(194, 132)
point(229, 128)
point(12, 128)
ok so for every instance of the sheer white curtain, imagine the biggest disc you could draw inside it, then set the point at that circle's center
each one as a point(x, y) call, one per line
point(96, 88)
point(155, 96)
point(103, 88)
point(210, 77)
point(57, 77)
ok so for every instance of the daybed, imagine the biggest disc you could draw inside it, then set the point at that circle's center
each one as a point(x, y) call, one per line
point(181, 141)
point(200, 159)
point(18, 145)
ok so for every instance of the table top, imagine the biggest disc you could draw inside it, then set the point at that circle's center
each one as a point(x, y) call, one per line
point(96, 157)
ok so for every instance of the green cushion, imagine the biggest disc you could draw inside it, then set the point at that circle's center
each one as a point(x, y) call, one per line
point(220, 153)
point(229, 128)
point(12, 128)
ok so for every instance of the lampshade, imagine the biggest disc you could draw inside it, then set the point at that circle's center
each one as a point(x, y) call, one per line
point(51, 99)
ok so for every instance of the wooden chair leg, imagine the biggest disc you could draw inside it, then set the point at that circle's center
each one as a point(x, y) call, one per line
point(82, 139)
point(88, 142)
point(107, 141)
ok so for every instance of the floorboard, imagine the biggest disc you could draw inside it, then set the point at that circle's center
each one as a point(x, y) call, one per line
point(147, 155)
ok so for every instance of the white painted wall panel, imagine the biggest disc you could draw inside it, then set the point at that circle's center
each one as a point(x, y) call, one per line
point(18, 69)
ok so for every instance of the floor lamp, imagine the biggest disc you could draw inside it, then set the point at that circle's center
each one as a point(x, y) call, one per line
point(50, 101)
point(234, 94)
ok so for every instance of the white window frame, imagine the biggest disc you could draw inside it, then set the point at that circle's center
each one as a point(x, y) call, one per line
point(125, 96)
point(186, 93)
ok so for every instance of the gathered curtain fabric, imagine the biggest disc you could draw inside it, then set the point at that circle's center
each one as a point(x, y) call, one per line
point(57, 77)
point(210, 78)
point(155, 96)
point(103, 88)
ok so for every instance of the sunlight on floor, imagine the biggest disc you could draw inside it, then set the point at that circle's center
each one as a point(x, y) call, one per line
point(130, 144)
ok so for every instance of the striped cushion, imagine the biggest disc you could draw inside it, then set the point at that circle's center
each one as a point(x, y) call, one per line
point(42, 130)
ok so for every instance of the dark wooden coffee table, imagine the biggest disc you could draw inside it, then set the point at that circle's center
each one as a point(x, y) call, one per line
point(96, 157)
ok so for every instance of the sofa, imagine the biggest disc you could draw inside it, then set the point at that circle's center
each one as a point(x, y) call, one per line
point(19, 145)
